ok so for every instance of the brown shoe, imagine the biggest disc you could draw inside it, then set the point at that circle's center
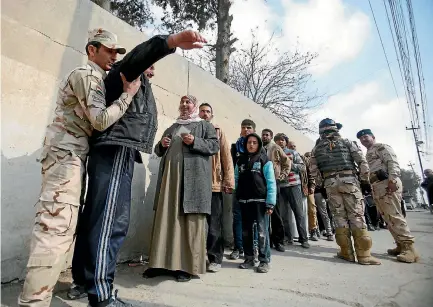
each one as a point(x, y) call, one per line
point(394, 251)
point(363, 245)
point(408, 253)
point(343, 238)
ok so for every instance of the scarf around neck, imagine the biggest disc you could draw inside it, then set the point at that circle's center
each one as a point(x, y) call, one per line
point(192, 116)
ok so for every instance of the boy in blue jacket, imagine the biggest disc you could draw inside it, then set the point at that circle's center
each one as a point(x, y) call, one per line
point(256, 193)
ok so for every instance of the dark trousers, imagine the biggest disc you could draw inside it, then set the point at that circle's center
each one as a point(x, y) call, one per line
point(254, 214)
point(371, 215)
point(215, 240)
point(291, 198)
point(277, 226)
point(237, 224)
point(104, 221)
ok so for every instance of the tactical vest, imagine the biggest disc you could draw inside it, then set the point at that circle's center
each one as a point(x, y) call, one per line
point(336, 159)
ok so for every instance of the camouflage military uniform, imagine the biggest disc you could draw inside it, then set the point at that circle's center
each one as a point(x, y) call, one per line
point(80, 109)
point(335, 158)
point(381, 157)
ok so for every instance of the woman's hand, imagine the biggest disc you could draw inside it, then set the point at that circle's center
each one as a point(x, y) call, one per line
point(188, 139)
point(165, 142)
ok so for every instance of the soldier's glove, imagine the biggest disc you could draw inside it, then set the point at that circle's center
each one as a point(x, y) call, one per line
point(365, 188)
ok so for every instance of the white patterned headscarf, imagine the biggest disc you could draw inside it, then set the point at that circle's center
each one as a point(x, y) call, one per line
point(190, 117)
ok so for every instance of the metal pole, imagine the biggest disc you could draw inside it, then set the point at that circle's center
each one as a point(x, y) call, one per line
point(417, 148)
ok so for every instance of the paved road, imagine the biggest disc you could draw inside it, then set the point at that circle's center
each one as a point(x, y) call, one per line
point(298, 277)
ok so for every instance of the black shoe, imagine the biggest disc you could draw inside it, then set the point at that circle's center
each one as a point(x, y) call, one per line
point(236, 254)
point(289, 242)
point(247, 264)
point(313, 235)
point(370, 227)
point(280, 248)
point(263, 267)
point(305, 244)
point(117, 302)
point(377, 227)
point(183, 277)
point(76, 292)
point(154, 272)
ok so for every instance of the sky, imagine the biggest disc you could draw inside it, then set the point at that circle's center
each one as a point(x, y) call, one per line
point(351, 70)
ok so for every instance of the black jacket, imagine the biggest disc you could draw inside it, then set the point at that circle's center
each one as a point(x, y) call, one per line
point(137, 127)
point(251, 175)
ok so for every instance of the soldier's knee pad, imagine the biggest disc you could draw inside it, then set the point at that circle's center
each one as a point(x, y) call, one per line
point(342, 237)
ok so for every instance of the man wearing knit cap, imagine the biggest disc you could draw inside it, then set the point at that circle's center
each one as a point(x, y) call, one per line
point(339, 160)
point(387, 193)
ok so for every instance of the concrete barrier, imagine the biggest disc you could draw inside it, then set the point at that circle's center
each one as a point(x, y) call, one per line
point(42, 40)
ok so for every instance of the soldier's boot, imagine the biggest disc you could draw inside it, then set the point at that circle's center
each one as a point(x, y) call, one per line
point(408, 253)
point(394, 251)
point(343, 239)
point(363, 245)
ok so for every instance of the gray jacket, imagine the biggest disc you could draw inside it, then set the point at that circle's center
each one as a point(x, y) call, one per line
point(197, 167)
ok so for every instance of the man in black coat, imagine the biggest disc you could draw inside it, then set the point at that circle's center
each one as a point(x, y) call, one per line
point(104, 221)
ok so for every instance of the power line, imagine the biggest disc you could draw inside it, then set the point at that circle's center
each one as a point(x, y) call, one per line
point(418, 62)
point(396, 53)
point(403, 47)
point(383, 48)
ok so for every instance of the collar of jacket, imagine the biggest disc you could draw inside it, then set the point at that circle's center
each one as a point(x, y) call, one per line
point(97, 68)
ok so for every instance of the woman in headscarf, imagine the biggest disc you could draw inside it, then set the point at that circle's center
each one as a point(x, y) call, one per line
point(183, 195)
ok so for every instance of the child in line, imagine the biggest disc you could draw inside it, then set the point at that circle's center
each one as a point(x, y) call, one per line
point(256, 192)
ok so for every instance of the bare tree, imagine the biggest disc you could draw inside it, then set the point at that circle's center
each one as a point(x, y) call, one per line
point(137, 13)
point(181, 14)
point(277, 81)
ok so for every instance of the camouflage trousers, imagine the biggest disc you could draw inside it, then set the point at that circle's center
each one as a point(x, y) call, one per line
point(55, 223)
point(312, 213)
point(345, 201)
point(389, 206)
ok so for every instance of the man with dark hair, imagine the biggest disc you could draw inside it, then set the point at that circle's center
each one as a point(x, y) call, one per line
point(222, 182)
point(282, 167)
point(237, 149)
point(291, 194)
point(387, 194)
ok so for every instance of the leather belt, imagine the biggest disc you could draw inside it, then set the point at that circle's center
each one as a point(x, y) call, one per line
point(327, 175)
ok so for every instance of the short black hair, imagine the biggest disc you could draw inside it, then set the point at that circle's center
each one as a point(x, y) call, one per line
point(268, 130)
point(205, 104)
point(94, 44)
point(248, 122)
point(280, 136)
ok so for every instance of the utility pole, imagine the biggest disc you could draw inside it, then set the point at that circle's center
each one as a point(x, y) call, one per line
point(417, 143)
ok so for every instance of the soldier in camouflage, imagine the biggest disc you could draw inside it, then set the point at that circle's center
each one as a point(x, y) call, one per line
point(387, 193)
point(80, 109)
point(337, 159)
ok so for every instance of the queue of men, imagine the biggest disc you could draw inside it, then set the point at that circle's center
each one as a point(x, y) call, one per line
point(96, 109)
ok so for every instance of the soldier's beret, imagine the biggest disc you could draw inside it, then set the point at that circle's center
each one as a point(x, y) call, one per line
point(364, 132)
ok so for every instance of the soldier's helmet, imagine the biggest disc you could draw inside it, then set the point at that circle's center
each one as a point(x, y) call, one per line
point(328, 124)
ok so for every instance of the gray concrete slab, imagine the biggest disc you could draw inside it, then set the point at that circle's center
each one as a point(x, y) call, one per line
point(298, 277)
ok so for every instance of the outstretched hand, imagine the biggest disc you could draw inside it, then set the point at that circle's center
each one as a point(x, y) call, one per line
point(186, 40)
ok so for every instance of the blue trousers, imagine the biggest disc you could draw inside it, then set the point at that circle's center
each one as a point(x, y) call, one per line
point(237, 227)
point(255, 230)
point(103, 223)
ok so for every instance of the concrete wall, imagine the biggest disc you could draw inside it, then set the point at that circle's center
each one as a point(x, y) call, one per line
point(41, 41)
